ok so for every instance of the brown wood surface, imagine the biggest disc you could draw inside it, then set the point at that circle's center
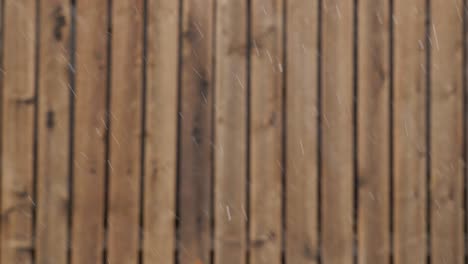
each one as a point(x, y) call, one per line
point(214, 113)
point(373, 131)
point(266, 121)
point(125, 132)
point(196, 142)
point(301, 131)
point(90, 124)
point(409, 132)
point(161, 140)
point(337, 131)
point(230, 132)
point(53, 133)
point(18, 105)
point(446, 124)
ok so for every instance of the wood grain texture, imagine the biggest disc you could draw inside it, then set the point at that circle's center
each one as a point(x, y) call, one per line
point(230, 132)
point(337, 131)
point(446, 123)
point(266, 122)
point(161, 140)
point(18, 106)
point(409, 132)
point(89, 158)
point(373, 131)
point(54, 133)
point(301, 132)
point(125, 132)
point(196, 142)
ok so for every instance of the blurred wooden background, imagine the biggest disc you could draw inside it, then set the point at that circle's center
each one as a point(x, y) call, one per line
point(233, 131)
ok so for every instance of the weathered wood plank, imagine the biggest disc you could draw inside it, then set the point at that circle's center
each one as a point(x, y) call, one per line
point(410, 135)
point(373, 131)
point(18, 105)
point(301, 132)
point(446, 124)
point(196, 140)
point(337, 131)
point(230, 132)
point(161, 140)
point(125, 132)
point(266, 99)
point(89, 159)
point(54, 133)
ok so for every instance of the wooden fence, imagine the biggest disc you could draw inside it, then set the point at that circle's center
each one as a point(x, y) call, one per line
point(233, 131)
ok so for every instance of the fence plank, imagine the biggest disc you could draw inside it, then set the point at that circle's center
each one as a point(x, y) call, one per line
point(266, 131)
point(54, 133)
point(231, 132)
point(90, 132)
point(373, 131)
point(301, 133)
point(409, 111)
point(447, 239)
point(337, 131)
point(125, 132)
point(161, 140)
point(196, 137)
point(18, 105)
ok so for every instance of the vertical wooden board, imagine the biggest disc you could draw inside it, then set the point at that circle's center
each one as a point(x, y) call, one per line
point(266, 131)
point(230, 155)
point(373, 131)
point(409, 136)
point(125, 132)
point(54, 133)
point(446, 31)
point(337, 131)
point(230, 132)
point(18, 105)
point(89, 159)
point(196, 133)
point(301, 132)
point(161, 131)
